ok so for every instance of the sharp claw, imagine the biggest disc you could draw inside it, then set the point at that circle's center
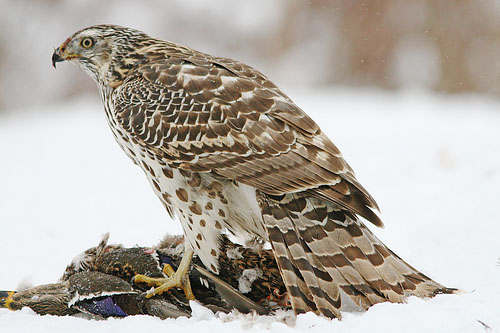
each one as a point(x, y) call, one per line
point(179, 279)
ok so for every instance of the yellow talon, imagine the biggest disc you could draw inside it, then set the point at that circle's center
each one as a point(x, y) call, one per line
point(167, 269)
point(179, 278)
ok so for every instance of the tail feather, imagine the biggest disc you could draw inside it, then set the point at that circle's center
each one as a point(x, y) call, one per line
point(297, 289)
point(333, 244)
point(316, 278)
point(326, 255)
point(337, 257)
point(301, 270)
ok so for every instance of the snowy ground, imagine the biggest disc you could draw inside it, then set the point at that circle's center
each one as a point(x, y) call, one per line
point(432, 162)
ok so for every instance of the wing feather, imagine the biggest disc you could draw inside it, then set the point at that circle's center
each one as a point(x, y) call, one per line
point(208, 114)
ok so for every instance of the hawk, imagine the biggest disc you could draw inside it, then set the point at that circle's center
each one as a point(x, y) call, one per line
point(227, 151)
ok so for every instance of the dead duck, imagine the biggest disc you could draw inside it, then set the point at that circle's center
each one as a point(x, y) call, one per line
point(94, 294)
point(99, 283)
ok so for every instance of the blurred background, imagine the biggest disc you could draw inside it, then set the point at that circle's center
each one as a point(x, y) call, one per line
point(443, 46)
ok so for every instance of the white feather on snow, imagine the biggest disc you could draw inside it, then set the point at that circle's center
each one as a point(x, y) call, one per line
point(432, 162)
point(248, 276)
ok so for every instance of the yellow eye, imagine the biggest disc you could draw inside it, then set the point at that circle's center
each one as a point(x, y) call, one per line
point(87, 42)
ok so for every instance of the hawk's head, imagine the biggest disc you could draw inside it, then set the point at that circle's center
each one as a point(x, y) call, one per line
point(101, 49)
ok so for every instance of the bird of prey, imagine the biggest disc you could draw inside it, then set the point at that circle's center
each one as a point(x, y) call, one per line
point(227, 151)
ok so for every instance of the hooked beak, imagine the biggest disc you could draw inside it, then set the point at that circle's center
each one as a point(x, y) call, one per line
point(61, 53)
point(56, 57)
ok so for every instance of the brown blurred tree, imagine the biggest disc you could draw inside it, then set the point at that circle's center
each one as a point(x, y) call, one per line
point(446, 46)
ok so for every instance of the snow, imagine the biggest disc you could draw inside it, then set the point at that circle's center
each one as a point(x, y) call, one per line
point(431, 161)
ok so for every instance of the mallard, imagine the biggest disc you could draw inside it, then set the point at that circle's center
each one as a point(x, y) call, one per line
point(99, 282)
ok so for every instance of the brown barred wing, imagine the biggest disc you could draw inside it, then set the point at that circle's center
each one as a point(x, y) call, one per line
point(196, 114)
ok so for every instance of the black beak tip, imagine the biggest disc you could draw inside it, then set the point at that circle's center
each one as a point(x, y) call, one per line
point(56, 58)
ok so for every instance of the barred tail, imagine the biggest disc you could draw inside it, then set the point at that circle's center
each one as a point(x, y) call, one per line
point(330, 261)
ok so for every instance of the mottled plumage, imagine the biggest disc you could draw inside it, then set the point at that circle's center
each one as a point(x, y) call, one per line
point(101, 286)
point(225, 149)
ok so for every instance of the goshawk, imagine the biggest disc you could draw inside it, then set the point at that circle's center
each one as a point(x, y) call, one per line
point(226, 150)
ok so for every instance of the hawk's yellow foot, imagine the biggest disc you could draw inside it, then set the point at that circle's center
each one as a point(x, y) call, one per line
point(179, 278)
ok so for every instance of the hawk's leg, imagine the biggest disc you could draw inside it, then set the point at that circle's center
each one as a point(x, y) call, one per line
point(179, 278)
